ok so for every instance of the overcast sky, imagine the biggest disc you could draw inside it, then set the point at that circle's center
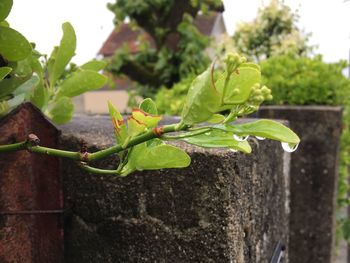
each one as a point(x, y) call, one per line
point(40, 21)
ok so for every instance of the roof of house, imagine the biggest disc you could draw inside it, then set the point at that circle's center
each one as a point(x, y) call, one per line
point(124, 34)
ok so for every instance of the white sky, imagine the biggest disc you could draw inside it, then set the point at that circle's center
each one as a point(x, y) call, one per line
point(40, 21)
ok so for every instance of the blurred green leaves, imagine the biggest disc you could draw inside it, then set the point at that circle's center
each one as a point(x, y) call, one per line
point(4, 71)
point(62, 110)
point(5, 8)
point(62, 54)
point(26, 75)
point(13, 45)
point(171, 50)
point(81, 81)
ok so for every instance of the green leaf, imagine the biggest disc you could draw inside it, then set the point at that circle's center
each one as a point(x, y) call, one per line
point(27, 87)
point(251, 65)
point(4, 24)
point(144, 118)
point(218, 139)
point(95, 65)
point(23, 68)
point(202, 100)
point(262, 128)
point(120, 130)
point(36, 65)
point(162, 156)
point(243, 80)
point(27, 66)
point(4, 71)
point(155, 156)
point(216, 118)
point(51, 64)
point(135, 127)
point(13, 46)
point(5, 8)
point(149, 106)
point(15, 101)
point(61, 55)
point(80, 82)
point(4, 108)
point(40, 97)
point(62, 111)
point(7, 86)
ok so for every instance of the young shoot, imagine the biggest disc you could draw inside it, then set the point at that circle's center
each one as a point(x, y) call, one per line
point(141, 141)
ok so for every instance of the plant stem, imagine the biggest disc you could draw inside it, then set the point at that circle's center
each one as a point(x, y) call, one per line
point(94, 170)
point(55, 152)
point(13, 147)
point(93, 156)
point(186, 135)
point(137, 140)
point(231, 117)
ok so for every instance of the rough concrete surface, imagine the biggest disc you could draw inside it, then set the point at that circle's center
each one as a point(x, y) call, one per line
point(225, 207)
point(314, 177)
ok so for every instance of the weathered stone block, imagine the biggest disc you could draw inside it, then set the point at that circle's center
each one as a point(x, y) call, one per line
point(225, 207)
point(314, 175)
point(31, 202)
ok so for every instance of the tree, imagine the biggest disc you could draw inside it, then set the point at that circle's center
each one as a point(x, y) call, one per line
point(178, 45)
point(272, 32)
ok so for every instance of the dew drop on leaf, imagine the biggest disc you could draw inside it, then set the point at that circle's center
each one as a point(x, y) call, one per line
point(289, 147)
point(240, 138)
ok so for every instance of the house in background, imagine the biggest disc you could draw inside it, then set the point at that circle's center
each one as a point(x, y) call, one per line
point(95, 101)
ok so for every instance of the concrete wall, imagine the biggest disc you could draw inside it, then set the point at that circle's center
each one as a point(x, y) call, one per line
point(225, 207)
point(314, 179)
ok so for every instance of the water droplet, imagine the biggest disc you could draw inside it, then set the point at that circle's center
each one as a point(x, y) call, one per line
point(288, 147)
point(233, 150)
point(260, 138)
point(240, 138)
point(207, 133)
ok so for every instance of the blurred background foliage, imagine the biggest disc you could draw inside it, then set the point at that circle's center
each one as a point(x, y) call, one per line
point(175, 50)
point(26, 75)
point(273, 32)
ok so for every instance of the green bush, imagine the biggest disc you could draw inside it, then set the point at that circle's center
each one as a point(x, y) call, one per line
point(305, 81)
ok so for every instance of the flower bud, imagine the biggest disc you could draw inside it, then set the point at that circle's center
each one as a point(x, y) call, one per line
point(257, 92)
point(265, 90)
point(269, 97)
point(233, 61)
point(235, 92)
point(259, 99)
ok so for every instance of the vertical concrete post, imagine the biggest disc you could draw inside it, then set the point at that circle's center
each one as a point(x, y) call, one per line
point(30, 192)
point(314, 178)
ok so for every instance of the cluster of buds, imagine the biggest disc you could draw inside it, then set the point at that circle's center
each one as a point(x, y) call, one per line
point(259, 94)
point(233, 61)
